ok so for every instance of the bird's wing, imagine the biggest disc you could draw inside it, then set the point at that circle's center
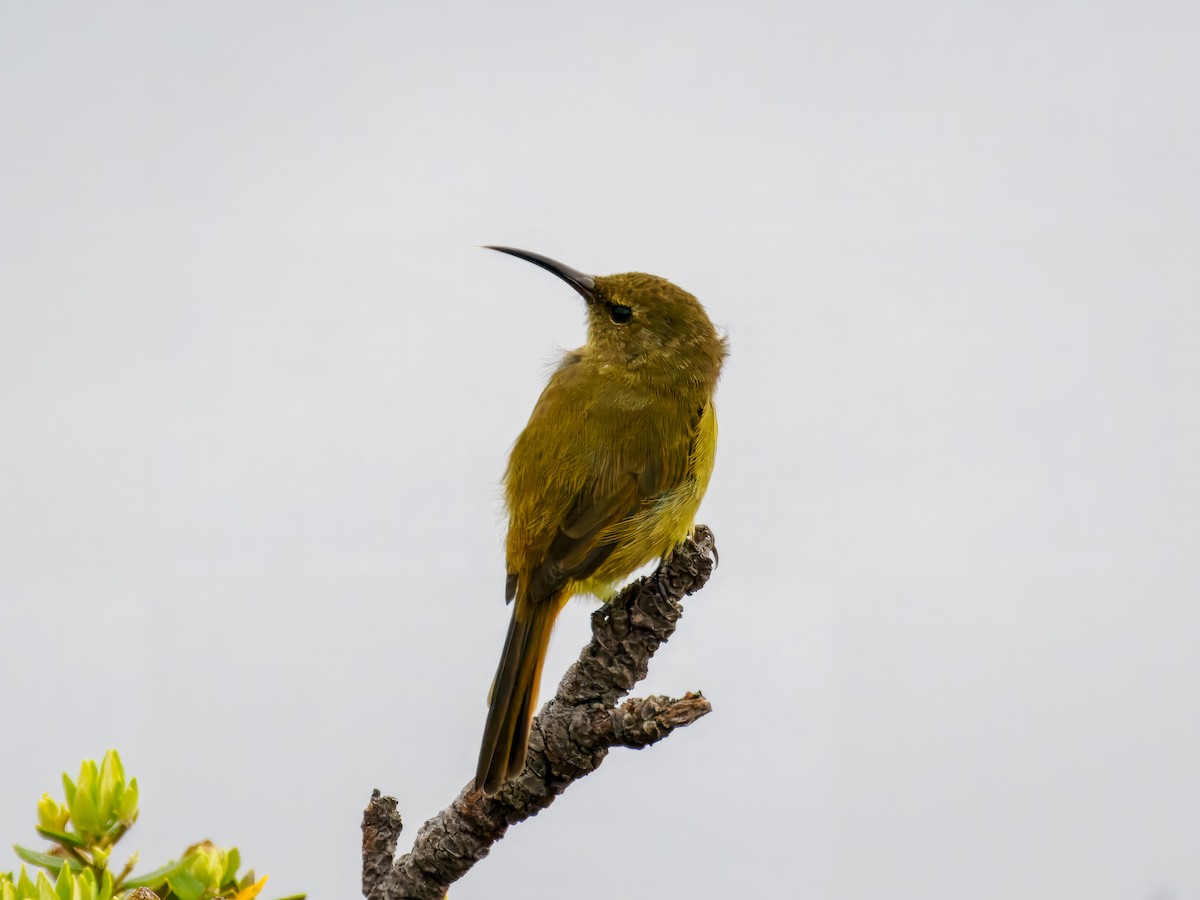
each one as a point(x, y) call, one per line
point(617, 487)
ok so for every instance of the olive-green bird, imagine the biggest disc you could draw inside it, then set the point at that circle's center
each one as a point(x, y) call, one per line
point(606, 477)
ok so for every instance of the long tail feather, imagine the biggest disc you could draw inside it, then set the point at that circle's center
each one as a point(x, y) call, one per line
point(514, 694)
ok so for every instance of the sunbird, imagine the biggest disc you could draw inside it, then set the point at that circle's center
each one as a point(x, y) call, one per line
point(606, 477)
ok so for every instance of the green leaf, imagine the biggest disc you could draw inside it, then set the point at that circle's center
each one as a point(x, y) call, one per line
point(186, 886)
point(64, 885)
point(51, 814)
point(233, 859)
point(45, 860)
point(127, 809)
point(84, 810)
point(85, 885)
point(68, 788)
point(111, 786)
point(62, 837)
point(112, 772)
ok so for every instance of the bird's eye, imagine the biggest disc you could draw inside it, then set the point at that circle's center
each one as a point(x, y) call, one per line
point(620, 314)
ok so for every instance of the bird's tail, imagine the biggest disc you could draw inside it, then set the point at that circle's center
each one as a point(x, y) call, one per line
point(514, 693)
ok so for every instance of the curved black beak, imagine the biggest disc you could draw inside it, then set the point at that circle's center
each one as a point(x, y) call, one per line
point(585, 284)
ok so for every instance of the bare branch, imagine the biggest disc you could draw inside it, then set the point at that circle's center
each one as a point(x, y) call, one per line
point(381, 828)
point(571, 735)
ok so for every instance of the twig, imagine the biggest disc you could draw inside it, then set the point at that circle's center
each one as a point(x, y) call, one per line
point(570, 737)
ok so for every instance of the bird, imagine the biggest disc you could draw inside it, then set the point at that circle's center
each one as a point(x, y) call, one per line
point(606, 476)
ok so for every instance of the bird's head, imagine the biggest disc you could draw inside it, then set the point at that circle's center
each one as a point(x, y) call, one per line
point(642, 323)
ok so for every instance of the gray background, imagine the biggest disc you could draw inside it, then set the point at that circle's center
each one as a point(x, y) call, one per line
point(257, 384)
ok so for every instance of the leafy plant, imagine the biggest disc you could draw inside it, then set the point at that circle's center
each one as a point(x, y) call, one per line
point(101, 806)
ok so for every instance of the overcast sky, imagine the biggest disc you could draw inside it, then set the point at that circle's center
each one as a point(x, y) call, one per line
point(258, 383)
